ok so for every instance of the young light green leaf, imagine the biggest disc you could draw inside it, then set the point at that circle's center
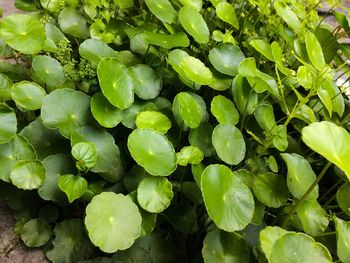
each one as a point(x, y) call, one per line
point(331, 141)
point(265, 117)
point(196, 4)
point(287, 14)
point(152, 151)
point(335, 96)
point(271, 189)
point(8, 122)
point(35, 233)
point(343, 239)
point(224, 110)
point(326, 99)
point(104, 112)
point(116, 83)
point(280, 139)
point(268, 237)
point(113, 221)
point(124, 3)
point(28, 95)
point(263, 47)
point(163, 10)
point(230, 203)
point(314, 50)
point(244, 96)
point(73, 23)
point(73, 186)
point(23, 33)
point(194, 24)
point(189, 154)
point(179, 39)
point(201, 138)
point(94, 50)
point(220, 246)
point(226, 57)
point(229, 143)
point(226, 12)
point(196, 71)
point(27, 175)
point(300, 176)
point(154, 194)
point(154, 120)
point(85, 155)
point(343, 199)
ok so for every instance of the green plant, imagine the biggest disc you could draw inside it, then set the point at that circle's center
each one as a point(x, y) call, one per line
point(176, 131)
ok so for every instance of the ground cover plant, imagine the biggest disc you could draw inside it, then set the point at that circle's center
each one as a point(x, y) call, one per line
point(176, 130)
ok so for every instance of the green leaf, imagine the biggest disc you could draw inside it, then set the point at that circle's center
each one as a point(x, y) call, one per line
point(113, 222)
point(16, 149)
point(220, 246)
point(28, 95)
point(335, 95)
point(73, 23)
point(35, 233)
point(116, 83)
point(264, 115)
point(331, 141)
point(343, 199)
point(27, 175)
point(262, 47)
point(51, 5)
point(108, 164)
point(53, 37)
point(229, 143)
point(226, 12)
point(146, 82)
point(133, 178)
point(124, 3)
point(280, 139)
point(313, 217)
point(23, 33)
point(5, 88)
point(271, 190)
point(104, 112)
point(300, 176)
point(70, 243)
point(85, 154)
point(194, 24)
point(277, 54)
point(48, 70)
point(163, 10)
point(94, 50)
point(298, 247)
point(196, 71)
point(8, 122)
point(314, 50)
point(343, 21)
point(154, 120)
point(244, 96)
point(224, 110)
point(305, 77)
point(226, 57)
point(268, 237)
point(326, 99)
point(229, 203)
point(55, 166)
point(189, 154)
point(343, 239)
point(179, 39)
point(201, 138)
point(152, 151)
point(183, 217)
point(287, 14)
point(196, 4)
point(154, 194)
point(189, 110)
point(74, 114)
point(73, 186)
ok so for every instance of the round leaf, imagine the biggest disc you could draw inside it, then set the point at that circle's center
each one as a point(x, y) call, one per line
point(23, 33)
point(163, 10)
point(298, 247)
point(48, 70)
point(343, 239)
point(66, 109)
point(194, 24)
point(225, 58)
point(201, 138)
point(189, 154)
point(73, 186)
point(268, 237)
point(152, 151)
point(153, 120)
point(196, 71)
point(226, 12)
point(343, 199)
point(104, 112)
point(154, 194)
point(113, 221)
point(146, 82)
point(224, 110)
point(222, 247)
point(94, 50)
point(5, 88)
point(28, 95)
point(228, 201)
point(271, 189)
point(8, 122)
point(27, 175)
point(73, 23)
point(229, 143)
point(35, 233)
point(115, 82)
point(85, 154)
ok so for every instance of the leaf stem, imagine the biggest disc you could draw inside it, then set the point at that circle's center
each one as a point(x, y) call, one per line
point(311, 188)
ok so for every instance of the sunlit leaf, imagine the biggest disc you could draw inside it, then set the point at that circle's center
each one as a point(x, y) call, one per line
point(189, 154)
point(163, 10)
point(314, 50)
point(226, 12)
point(287, 14)
point(154, 120)
point(343, 199)
point(27, 175)
point(73, 186)
point(343, 239)
point(73, 23)
point(95, 50)
point(8, 122)
point(28, 95)
point(262, 47)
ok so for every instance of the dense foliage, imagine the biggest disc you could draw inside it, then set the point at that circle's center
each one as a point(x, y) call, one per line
point(176, 130)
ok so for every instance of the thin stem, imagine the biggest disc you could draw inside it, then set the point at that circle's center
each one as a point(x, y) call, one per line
point(311, 188)
point(326, 234)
